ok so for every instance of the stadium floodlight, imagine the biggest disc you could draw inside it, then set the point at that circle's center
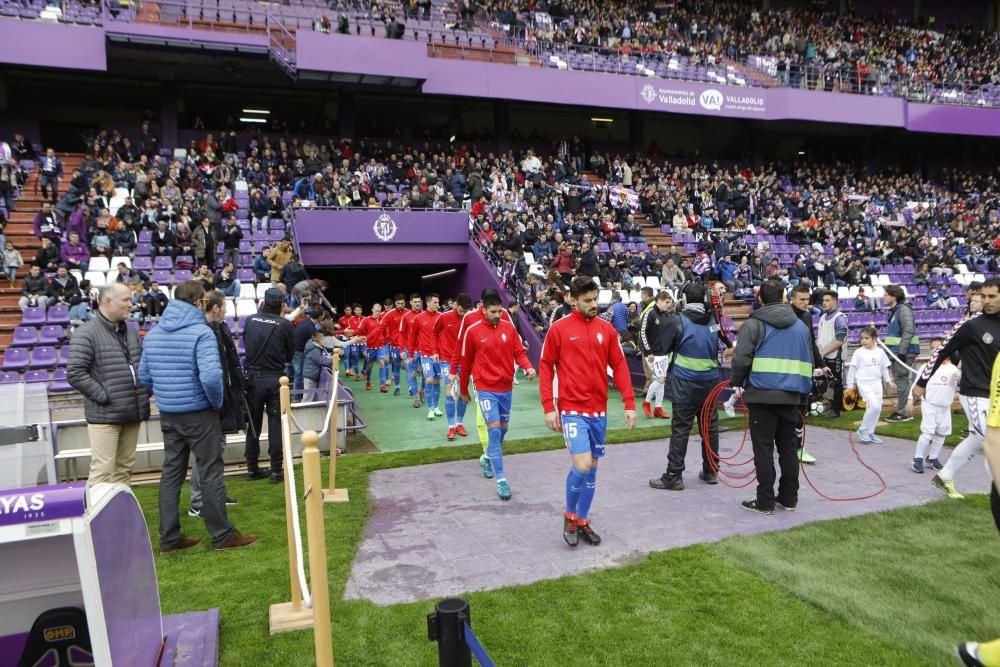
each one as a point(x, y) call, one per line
point(602, 120)
point(260, 111)
point(248, 119)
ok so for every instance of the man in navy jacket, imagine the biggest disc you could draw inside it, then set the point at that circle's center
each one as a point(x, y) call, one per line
point(181, 364)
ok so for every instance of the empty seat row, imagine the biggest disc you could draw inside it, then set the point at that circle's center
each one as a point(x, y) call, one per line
point(57, 382)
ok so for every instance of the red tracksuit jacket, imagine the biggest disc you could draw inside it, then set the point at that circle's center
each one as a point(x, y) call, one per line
point(393, 320)
point(404, 329)
point(471, 317)
point(487, 355)
point(421, 332)
point(579, 351)
point(446, 336)
point(374, 330)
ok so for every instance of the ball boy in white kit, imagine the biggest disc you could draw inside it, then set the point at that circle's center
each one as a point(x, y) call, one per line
point(935, 419)
point(868, 367)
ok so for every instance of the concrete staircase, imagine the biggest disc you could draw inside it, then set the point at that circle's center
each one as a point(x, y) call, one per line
point(20, 232)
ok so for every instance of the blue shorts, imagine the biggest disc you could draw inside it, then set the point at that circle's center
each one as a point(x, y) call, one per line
point(584, 434)
point(376, 354)
point(395, 354)
point(430, 368)
point(494, 405)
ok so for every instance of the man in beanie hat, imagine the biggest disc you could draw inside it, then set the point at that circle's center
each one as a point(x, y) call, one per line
point(269, 349)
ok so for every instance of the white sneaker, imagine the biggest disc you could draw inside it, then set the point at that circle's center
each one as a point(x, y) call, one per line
point(865, 437)
point(438, 413)
point(730, 407)
point(430, 414)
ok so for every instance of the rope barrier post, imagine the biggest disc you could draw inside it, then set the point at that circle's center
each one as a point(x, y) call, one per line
point(318, 581)
point(446, 626)
point(292, 615)
point(332, 494)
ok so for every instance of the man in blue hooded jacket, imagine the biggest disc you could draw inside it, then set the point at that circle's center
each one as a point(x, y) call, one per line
point(181, 365)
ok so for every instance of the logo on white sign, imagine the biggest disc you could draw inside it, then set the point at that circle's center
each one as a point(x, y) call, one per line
point(385, 227)
point(711, 99)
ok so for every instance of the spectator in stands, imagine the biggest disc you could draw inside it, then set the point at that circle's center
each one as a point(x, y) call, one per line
point(162, 241)
point(100, 239)
point(51, 174)
point(82, 304)
point(231, 238)
point(124, 241)
point(259, 211)
point(226, 281)
point(46, 224)
point(183, 242)
point(155, 301)
point(104, 366)
point(261, 267)
point(126, 275)
point(189, 391)
point(205, 243)
point(618, 313)
point(864, 302)
point(75, 254)
point(12, 261)
point(279, 256)
point(938, 297)
point(62, 288)
point(34, 290)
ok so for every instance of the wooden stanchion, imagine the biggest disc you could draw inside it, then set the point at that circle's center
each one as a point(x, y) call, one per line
point(318, 582)
point(332, 494)
point(291, 615)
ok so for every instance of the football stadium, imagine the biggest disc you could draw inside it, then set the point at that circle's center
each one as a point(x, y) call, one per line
point(320, 317)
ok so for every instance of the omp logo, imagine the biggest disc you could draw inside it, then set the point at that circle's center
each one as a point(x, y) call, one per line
point(711, 99)
point(61, 633)
point(648, 93)
point(385, 227)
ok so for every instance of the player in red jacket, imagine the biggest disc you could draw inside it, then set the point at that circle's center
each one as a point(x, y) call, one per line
point(408, 356)
point(489, 352)
point(373, 329)
point(445, 341)
point(578, 349)
point(348, 324)
point(360, 350)
point(420, 341)
point(393, 332)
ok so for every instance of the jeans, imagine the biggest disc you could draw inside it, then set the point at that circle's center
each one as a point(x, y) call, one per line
point(40, 301)
point(184, 434)
point(233, 290)
point(231, 255)
point(683, 420)
point(196, 493)
point(80, 311)
point(775, 426)
point(52, 180)
point(903, 379)
point(298, 359)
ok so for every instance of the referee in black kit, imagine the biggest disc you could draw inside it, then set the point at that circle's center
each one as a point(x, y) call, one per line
point(269, 349)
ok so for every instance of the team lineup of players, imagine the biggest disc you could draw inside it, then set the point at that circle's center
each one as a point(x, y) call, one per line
point(472, 352)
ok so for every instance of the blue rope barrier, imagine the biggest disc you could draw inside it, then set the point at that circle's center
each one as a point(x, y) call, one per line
point(472, 642)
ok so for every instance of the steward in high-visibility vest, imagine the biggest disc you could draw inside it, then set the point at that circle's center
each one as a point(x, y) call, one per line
point(693, 341)
point(901, 337)
point(773, 363)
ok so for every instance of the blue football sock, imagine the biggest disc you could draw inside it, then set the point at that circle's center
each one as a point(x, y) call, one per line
point(449, 408)
point(411, 380)
point(503, 434)
point(494, 450)
point(574, 485)
point(437, 395)
point(461, 410)
point(383, 374)
point(587, 495)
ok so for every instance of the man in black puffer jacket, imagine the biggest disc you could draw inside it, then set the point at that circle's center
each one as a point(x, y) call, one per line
point(104, 367)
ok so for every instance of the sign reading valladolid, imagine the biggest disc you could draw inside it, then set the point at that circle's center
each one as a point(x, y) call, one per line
point(677, 96)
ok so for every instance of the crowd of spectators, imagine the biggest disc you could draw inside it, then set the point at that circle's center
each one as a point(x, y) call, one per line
point(802, 46)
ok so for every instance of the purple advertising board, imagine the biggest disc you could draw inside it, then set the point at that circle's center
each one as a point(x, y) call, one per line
point(42, 503)
point(43, 44)
point(382, 227)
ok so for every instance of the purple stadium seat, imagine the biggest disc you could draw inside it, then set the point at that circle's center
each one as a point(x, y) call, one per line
point(180, 275)
point(245, 275)
point(261, 235)
point(142, 264)
point(36, 376)
point(231, 324)
point(145, 236)
point(9, 378)
point(63, 355)
point(241, 347)
point(59, 382)
point(51, 334)
point(276, 223)
point(33, 317)
point(163, 262)
point(133, 325)
point(277, 235)
point(24, 337)
point(58, 315)
point(15, 359)
point(43, 357)
point(143, 249)
point(246, 247)
point(184, 259)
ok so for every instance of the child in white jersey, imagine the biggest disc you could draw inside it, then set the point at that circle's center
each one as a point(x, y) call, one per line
point(935, 417)
point(868, 368)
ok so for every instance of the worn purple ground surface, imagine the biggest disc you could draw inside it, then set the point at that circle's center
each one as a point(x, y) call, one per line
point(436, 530)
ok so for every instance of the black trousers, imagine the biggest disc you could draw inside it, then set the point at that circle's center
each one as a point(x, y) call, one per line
point(264, 397)
point(995, 504)
point(683, 418)
point(836, 367)
point(775, 426)
point(184, 434)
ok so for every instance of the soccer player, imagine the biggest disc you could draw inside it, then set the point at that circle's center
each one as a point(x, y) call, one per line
point(420, 341)
point(346, 323)
point(412, 359)
point(472, 317)
point(577, 351)
point(444, 340)
point(977, 341)
point(489, 350)
point(935, 413)
point(393, 322)
point(373, 329)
